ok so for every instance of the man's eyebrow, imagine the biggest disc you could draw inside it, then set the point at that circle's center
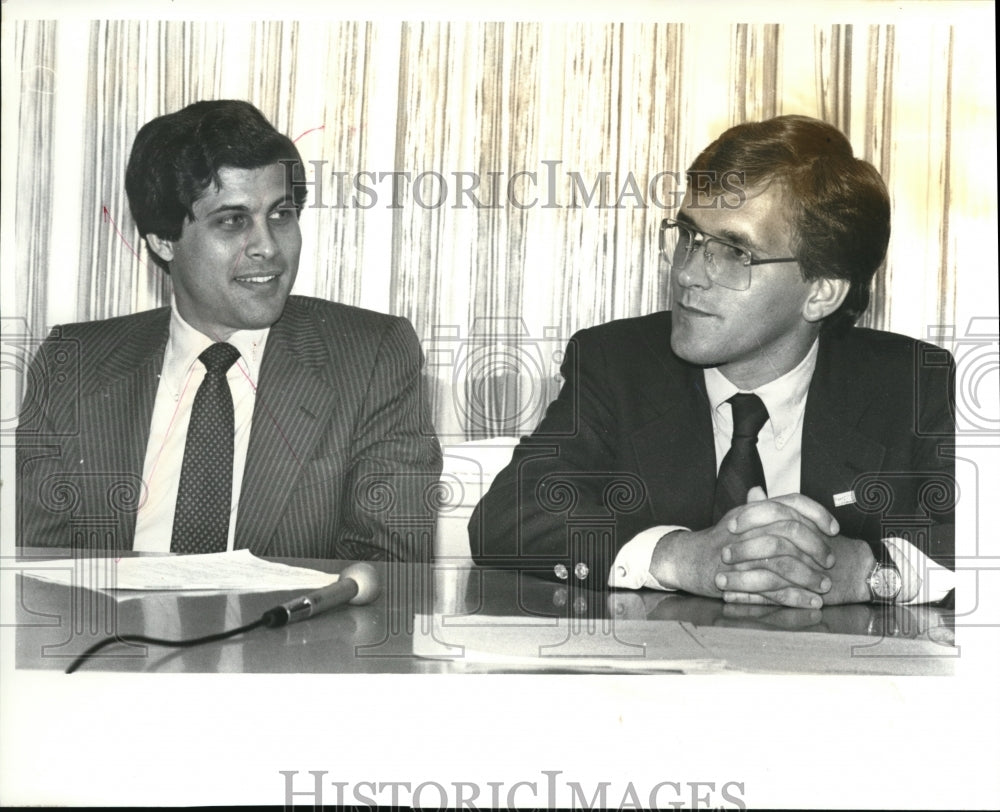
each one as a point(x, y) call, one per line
point(242, 207)
point(225, 207)
point(728, 234)
point(741, 238)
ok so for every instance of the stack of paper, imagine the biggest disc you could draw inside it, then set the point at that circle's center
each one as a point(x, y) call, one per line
point(238, 571)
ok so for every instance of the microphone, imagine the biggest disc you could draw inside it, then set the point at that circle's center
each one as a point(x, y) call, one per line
point(358, 584)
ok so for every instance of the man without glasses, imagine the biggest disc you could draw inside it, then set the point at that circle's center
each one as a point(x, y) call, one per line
point(751, 444)
point(239, 416)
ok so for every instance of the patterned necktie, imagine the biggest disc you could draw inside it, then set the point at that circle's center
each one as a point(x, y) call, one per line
point(741, 468)
point(201, 515)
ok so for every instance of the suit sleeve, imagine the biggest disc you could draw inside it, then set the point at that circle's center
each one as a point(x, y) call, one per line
point(46, 429)
point(562, 507)
point(395, 465)
point(933, 529)
point(906, 490)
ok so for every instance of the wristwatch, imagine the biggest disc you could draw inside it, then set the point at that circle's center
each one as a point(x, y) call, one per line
point(884, 582)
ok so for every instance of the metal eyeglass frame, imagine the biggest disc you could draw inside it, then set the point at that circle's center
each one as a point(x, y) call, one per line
point(700, 239)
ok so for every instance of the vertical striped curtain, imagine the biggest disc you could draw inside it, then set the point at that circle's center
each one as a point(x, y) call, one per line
point(499, 184)
point(34, 55)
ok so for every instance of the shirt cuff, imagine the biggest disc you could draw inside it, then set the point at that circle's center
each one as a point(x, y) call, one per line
point(631, 567)
point(935, 581)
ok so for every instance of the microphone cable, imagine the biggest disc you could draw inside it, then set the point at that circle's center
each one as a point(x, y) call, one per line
point(358, 584)
point(159, 641)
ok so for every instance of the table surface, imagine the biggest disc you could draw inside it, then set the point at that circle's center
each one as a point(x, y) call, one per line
point(454, 617)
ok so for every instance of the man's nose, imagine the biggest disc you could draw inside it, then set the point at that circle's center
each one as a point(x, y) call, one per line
point(261, 242)
point(694, 274)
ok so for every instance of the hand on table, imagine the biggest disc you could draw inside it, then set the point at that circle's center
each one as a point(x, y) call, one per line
point(779, 543)
point(783, 551)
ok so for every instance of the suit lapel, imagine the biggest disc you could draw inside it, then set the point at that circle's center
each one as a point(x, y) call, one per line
point(834, 451)
point(119, 407)
point(678, 467)
point(293, 407)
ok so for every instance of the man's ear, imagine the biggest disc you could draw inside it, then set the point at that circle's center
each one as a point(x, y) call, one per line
point(825, 296)
point(164, 249)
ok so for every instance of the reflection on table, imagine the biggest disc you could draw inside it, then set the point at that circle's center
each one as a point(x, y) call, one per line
point(55, 623)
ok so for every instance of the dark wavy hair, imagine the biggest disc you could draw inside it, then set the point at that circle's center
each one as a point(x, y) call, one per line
point(837, 204)
point(176, 157)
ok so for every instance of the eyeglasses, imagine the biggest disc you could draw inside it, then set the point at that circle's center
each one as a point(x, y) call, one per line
point(726, 264)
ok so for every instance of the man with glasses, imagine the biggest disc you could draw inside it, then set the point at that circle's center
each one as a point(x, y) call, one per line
point(751, 444)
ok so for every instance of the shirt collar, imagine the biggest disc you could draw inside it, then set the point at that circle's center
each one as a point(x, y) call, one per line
point(185, 344)
point(784, 397)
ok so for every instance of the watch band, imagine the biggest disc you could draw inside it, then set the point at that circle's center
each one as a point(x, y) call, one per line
point(881, 553)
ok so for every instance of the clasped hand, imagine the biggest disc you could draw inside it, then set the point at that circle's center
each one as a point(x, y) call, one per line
point(781, 551)
point(785, 550)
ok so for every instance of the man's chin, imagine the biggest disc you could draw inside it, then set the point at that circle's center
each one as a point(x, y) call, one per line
point(264, 321)
point(685, 348)
point(692, 351)
point(261, 318)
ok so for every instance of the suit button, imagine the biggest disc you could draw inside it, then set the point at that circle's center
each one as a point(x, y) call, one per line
point(561, 572)
point(581, 571)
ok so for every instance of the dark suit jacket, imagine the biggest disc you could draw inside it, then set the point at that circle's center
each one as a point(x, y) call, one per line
point(628, 445)
point(341, 453)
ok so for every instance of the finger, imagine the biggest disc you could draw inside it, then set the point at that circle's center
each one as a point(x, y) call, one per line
point(769, 583)
point(766, 511)
point(787, 596)
point(807, 542)
point(782, 507)
point(787, 570)
point(747, 598)
point(756, 494)
point(812, 510)
point(752, 547)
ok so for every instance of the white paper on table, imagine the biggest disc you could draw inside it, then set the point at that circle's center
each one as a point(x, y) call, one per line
point(559, 645)
point(237, 571)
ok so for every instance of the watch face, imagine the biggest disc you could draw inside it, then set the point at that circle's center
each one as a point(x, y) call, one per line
point(886, 583)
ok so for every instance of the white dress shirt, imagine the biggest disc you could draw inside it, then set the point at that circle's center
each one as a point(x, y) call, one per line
point(780, 447)
point(180, 378)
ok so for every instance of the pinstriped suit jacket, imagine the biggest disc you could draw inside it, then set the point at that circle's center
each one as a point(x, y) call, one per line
point(342, 455)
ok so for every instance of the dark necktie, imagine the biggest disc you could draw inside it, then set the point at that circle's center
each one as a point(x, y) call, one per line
point(201, 515)
point(741, 469)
